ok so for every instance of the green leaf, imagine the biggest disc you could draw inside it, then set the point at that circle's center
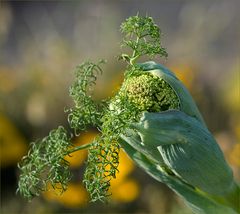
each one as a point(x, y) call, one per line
point(187, 148)
point(198, 202)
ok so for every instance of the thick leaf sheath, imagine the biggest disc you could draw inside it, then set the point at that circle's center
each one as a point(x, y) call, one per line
point(187, 148)
point(195, 200)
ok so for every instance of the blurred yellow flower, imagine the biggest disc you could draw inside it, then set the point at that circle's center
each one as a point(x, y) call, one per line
point(236, 129)
point(125, 167)
point(235, 155)
point(124, 189)
point(183, 73)
point(106, 87)
point(234, 160)
point(12, 144)
point(231, 90)
point(75, 196)
point(77, 158)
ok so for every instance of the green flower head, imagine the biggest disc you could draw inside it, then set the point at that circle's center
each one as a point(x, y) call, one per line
point(150, 93)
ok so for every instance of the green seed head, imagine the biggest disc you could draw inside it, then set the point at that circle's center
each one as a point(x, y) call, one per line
point(150, 93)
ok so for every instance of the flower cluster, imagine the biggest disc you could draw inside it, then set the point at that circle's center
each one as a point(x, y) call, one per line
point(150, 93)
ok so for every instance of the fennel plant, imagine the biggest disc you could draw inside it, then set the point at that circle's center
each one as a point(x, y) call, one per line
point(152, 117)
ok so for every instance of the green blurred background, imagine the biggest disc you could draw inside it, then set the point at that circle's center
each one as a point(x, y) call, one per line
point(42, 42)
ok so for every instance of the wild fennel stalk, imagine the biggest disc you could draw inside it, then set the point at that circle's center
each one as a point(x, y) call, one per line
point(152, 117)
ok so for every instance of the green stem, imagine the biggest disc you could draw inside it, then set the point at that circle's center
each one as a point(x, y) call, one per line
point(77, 148)
point(134, 56)
point(133, 59)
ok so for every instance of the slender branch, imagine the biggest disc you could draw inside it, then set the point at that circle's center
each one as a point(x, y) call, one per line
point(77, 148)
